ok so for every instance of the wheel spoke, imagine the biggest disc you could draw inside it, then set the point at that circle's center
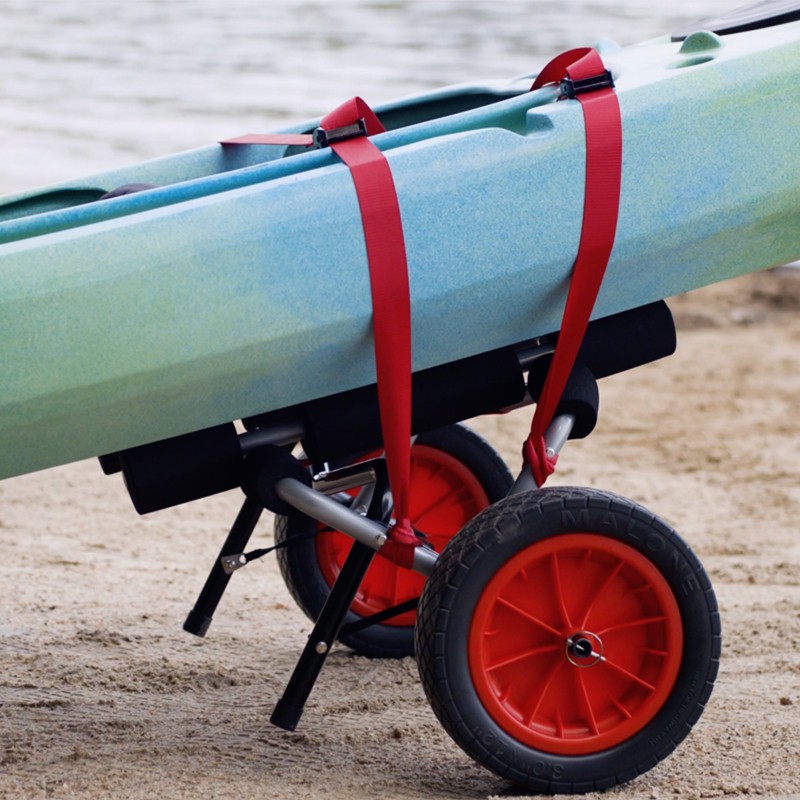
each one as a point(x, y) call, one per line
point(559, 725)
point(529, 617)
point(557, 664)
point(628, 674)
point(621, 708)
point(556, 575)
point(338, 544)
point(584, 695)
point(394, 597)
point(379, 586)
point(428, 475)
point(453, 493)
point(535, 651)
point(598, 593)
point(634, 623)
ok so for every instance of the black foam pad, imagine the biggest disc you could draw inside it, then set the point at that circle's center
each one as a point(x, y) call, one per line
point(628, 339)
point(580, 397)
point(349, 422)
point(181, 469)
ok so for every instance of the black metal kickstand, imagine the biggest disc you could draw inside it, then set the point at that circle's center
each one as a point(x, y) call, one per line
point(289, 708)
point(199, 618)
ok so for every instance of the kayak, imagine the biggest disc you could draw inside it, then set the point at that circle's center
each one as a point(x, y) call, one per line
point(235, 281)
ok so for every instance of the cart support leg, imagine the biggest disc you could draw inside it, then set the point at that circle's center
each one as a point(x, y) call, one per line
point(289, 708)
point(199, 618)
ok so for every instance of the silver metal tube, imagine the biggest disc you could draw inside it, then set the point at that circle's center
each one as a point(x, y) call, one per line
point(329, 484)
point(524, 481)
point(367, 531)
point(424, 559)
point(557, 433)
point(322, 508)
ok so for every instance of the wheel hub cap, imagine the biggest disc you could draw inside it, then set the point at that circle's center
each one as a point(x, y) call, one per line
point(584, 649)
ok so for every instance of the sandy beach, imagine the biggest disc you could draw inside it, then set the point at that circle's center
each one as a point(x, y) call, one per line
point(103, 696)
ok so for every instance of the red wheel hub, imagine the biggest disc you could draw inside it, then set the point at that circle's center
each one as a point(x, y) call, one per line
point(445, 495)
point(575, 644)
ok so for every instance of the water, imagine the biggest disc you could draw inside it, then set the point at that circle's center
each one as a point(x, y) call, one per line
point(95, 84)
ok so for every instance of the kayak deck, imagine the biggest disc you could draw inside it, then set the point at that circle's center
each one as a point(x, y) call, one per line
point(212, 169)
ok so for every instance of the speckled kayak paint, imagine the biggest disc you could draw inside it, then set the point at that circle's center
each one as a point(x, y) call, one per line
point(240, 284)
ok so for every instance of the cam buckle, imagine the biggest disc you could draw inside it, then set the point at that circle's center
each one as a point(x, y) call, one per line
point(323, 138)
point(571, 89)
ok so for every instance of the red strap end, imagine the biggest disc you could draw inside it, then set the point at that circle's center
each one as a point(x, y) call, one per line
point(286, 139)
point(534, 453)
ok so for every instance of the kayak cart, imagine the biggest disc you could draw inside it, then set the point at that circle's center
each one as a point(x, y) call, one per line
point(311, 316)
point(567, 638)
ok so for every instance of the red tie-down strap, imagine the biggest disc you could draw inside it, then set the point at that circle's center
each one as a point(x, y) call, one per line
point(345, 131)
point(582, 75)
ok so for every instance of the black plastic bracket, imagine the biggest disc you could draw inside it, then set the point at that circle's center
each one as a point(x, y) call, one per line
point(324, 138)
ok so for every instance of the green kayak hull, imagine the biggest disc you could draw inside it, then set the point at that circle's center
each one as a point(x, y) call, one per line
point(240, 283)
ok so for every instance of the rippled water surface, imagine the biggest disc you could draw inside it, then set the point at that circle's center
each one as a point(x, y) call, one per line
point(99, 83)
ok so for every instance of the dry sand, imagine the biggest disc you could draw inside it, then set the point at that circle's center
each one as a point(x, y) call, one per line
point(103, 696)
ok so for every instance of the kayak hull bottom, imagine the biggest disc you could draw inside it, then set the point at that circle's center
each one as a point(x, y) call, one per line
point(343, 425)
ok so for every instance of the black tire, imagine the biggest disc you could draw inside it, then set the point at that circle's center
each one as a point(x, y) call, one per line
point(299, 562)
point(457, 588)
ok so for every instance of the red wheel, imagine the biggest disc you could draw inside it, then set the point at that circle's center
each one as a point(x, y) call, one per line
point(567, 639)
point(587, 659)
point(454, 475)
point(445, 495)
